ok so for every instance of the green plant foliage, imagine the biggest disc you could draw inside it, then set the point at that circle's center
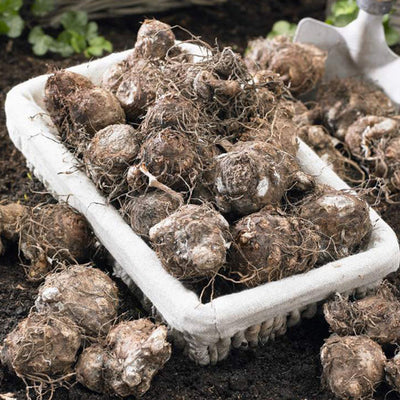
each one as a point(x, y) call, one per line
point(41, 8)
point(282, 28)
point(11, 23)
point(78, 36)
point(345, 11)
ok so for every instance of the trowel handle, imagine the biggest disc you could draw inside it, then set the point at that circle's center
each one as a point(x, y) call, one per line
point(375, 7)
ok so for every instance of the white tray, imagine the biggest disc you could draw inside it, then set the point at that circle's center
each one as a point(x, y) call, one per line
point(210, 329)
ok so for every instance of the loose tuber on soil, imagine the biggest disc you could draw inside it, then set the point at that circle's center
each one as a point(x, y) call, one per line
point(300, 65)
point(335, 214)
point(270, 245)
point(134, 352)
point(42, 348)
point(11, 217)
point(192, 242)
point(108, 156)
point(376, 316)
point(53, 232)
point(87, 296)
point(353, 366)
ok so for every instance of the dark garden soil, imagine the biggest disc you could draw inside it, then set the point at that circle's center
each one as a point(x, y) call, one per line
point(287, 368)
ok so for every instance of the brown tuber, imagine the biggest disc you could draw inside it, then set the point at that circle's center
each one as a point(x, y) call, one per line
point(342, 101)
point(335, 214)
point(154, 39)
point(375, 142)
point(376, 316)
point(135, 351)
point(11, 216)
point(79, 108)
point(353, 366)
point(147, 210)
point(108, 156)
point(87, 296)
point(300, 65)
point(270, 245)
point(171, 157)
point(392, 370)
point(42, 348)
point(192, 242)
point(252, 175)
point(54, 232)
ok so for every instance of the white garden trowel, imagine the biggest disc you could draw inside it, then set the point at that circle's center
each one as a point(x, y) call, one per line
point(358, 49)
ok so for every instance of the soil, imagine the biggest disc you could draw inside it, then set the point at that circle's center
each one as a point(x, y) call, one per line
point(287, 368)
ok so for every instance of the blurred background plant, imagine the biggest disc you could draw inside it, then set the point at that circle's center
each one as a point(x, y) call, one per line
point(341, 13)
point(76, 33)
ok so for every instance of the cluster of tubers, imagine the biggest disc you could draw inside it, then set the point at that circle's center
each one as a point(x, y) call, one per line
point(353, 361)
point(200, 157)
point(77, 308)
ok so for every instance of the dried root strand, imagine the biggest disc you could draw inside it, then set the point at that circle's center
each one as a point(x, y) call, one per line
point(42, 348)
point(135, 351)
point(353, 366)
point(300, 65)
point(192, 242)
point(376, 316)
point(270, 245)
point(87, 296)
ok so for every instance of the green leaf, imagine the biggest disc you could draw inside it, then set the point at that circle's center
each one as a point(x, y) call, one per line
point(74, 21)
point(42, 45)
point(15, 25)
point(91, 30)
point(40, 8)
point(344, 19)
point(282, 28)
point(35, 34)
point(78, 42)
point(97, 46)
point(392, 36)
point(62, 48)
point(10, 6)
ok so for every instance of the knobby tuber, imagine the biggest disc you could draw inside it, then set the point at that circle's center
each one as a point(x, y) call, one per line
point(376, 316)
point(11, 217)
point(192, 242)
point(134, 352)
point(146, 210)
point(79, 108)
point(252, 175)
point(171, 157)
point(108, 156)
point(334, 214)
point(300, 65)
point(342, 101)
point(270, 245)
point(87, 296)
point(374, 141)
point(392, 371)
point(54, 232)
point(352, 366)
point(42, 348)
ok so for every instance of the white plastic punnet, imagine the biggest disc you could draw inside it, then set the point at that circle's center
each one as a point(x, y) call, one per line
point(207, 330)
